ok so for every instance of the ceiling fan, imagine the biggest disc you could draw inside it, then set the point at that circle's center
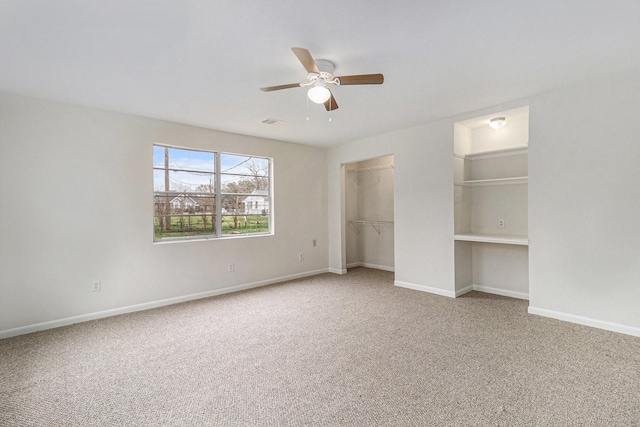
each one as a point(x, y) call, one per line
point(320, 76)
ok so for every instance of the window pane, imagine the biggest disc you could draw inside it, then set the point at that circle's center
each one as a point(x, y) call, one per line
point(183, 215)
point(185, 226)
point(180, 181)
point(184, 187)
point(186, 200)
point(245, 194)
point(192, 171)
point(184, 159)
point(244, 174)
point(243, 165)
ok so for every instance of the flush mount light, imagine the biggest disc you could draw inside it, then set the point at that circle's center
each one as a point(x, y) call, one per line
point(497, 122)
point(319, 94)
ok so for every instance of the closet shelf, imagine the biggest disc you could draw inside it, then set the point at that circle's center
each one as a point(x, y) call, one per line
point(493, 181)
point(371, 169)
point(375, 224)
point(512, 151)
point(505, 239)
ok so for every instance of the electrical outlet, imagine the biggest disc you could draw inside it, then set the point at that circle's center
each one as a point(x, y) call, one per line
point(231, 267)
point(501, 223)
point(97, 286)
point(300, 256)
point(315, 243)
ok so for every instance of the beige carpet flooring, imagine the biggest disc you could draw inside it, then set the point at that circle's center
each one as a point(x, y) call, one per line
point(328, 350)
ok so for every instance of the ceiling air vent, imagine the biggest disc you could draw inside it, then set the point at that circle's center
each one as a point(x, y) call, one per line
point(272, 121)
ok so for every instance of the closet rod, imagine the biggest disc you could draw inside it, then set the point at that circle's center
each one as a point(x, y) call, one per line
point(371, 169)
point(375, 224)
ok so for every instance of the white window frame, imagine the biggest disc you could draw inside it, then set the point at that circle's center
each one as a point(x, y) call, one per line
point(218, 195)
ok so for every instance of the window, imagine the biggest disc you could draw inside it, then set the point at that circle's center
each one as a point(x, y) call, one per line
point(205, 194)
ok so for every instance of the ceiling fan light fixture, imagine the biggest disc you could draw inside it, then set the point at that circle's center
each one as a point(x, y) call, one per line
point(497, 122)
point(319, 94)
point(319, 75)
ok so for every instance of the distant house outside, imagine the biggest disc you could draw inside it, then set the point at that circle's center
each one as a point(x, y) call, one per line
point(183, 203)
point(257, 203)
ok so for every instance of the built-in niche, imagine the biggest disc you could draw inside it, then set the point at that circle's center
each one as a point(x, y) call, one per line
point(369, 213)
point(491, 203)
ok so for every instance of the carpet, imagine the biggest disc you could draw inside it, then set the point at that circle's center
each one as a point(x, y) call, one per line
point(327, 350)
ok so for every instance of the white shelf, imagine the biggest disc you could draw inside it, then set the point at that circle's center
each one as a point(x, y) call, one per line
point(371, 169)
point(493, 181)
point(371, 222)
point(512, 151)
point(504, 239)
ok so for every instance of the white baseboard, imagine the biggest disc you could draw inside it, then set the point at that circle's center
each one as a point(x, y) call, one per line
point(368, 265)
point(489, 290)
point(586, 321)
point(503, 292)
point(338, 270)
point(423, 288)
point(464, 291)
point(149, 305)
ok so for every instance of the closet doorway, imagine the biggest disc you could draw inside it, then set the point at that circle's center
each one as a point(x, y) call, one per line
point(369, 213)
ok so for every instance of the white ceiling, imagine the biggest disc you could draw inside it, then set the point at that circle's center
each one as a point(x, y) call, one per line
point(203, 62)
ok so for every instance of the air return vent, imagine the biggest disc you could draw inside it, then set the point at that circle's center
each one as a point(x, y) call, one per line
point(272, 121)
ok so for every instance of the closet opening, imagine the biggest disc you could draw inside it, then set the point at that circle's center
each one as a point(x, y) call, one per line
point(369, 213)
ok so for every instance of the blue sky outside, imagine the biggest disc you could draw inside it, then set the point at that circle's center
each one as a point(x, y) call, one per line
point(201, 167)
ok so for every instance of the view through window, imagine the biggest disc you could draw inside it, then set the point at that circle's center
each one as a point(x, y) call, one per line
point(206, 194)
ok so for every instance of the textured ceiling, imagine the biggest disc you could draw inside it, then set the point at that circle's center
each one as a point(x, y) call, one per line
point(203, 62)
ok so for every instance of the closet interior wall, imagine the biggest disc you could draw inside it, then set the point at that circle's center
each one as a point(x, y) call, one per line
point(369, 213)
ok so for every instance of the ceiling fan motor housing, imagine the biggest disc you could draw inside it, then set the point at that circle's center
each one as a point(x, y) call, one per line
point(326, 73)
point(325, 66)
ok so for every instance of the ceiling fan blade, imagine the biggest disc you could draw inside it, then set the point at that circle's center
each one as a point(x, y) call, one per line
point(307, 60)
point(362, 79)
point(331, 104)
point(272, 88)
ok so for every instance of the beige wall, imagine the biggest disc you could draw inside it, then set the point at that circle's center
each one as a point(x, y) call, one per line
point(584, 199)
point(584, 205)
point(77, 207)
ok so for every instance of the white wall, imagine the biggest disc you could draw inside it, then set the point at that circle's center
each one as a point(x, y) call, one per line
point(423, 203)
point(77, 207)
point(352, 211)
point(584, 205)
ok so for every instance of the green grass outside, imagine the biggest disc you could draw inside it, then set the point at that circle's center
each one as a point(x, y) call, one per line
point(196, 227)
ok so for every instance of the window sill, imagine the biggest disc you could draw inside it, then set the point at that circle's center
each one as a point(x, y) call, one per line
point(170, 240)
